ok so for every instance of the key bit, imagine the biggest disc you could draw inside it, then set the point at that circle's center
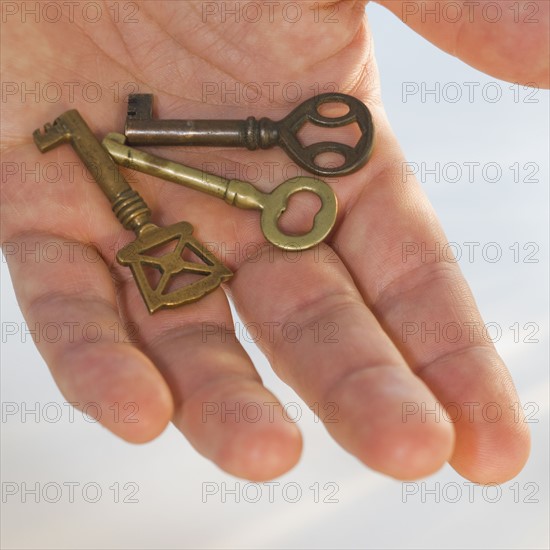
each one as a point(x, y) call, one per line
point(134, 214)
point(142, 129)
point(241, 194)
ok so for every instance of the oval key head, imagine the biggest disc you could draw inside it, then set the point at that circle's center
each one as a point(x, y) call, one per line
point(277, 203)
point(354, 157)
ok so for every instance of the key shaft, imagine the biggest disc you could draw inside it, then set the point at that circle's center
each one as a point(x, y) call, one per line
point(235, 192)
point(142, 129)
point(250, 133)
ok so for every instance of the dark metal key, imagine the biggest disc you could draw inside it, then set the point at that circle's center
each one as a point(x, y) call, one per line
point(143, 129)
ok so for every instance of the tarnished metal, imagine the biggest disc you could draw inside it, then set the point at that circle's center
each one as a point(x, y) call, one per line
point(134, 214)
point(142, 129)
point(238, 193)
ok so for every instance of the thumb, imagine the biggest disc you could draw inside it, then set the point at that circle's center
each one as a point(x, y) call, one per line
point(506, 39)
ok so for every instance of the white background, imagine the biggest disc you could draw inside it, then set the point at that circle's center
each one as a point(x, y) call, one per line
point(371, 510)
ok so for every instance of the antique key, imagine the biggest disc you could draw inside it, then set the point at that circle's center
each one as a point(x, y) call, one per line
point(142, 129)
point(134, 214)
point(238, 193)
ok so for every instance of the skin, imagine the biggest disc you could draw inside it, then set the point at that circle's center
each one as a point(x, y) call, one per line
point(358, 281)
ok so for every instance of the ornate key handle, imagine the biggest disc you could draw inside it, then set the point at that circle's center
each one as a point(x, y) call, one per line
point(323, 222)
point(354, 157)
point(244, 195)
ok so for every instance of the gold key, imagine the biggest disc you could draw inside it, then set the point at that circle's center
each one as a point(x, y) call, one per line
point(134, 214)
point(238, 193)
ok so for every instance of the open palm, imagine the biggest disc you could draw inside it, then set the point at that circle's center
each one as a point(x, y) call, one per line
point(183, 361)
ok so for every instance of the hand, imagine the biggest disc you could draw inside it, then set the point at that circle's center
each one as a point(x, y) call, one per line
point(365, 289)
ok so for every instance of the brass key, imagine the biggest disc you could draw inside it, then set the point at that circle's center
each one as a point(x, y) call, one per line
point(142, 129)
point(238, 193)
point(134, 214)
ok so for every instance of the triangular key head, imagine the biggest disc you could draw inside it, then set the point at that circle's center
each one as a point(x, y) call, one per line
point(137, 256)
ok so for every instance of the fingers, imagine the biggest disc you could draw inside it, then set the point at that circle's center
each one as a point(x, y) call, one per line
point(67, 297)
point(221, 405)
point(71, 306)
point(320, 338)
point(425, 305)
point(495, 38)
